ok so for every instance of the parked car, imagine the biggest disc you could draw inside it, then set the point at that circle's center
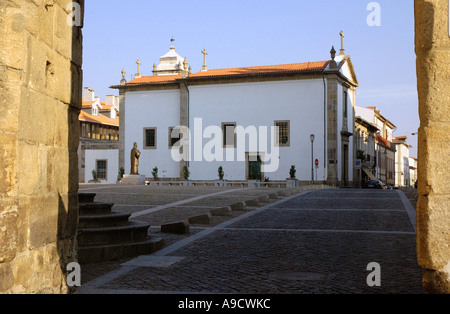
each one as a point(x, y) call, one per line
point(375, 184)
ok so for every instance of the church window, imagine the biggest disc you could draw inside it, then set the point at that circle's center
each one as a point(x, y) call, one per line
point(229, 134)
point(101, 169)
point(150, 138)
point(174, 137)
point(283, 133)
point(345, 106)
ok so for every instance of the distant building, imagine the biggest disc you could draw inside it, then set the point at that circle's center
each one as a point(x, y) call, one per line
point(365, 135)
point(383, 165)
point(298, 99)
point(412, 170)
point(99, 138)
point(402, 161)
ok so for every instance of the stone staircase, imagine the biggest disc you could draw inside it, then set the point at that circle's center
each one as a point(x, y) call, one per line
point(106, 236)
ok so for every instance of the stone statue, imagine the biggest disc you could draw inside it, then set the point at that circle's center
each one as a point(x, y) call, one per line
point(135, 154)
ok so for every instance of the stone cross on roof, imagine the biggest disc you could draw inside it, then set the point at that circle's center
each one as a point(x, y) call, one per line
point(342, 43)
point(138, 74)
point(204, 68)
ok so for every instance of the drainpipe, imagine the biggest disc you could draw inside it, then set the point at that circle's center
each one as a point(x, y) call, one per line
point(325, 159)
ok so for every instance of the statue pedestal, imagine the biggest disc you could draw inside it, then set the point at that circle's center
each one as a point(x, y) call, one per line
point(133, 179)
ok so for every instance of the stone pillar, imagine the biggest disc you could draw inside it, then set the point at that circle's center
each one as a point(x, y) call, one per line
point(40, 88)
point(122, 127)
point(433, 74)
point(332, 129)
point(184, 117)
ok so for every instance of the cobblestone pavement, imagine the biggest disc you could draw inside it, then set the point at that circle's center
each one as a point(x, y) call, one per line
point(315, 242)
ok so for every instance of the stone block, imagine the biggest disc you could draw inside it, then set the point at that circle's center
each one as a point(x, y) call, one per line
point(8, 236)
point(238, 206)
point(181, 227)
point(10, 81)
point(436, 282)
point(63, 32)
point(433, 221)
point(204, 219)
point(223, 211)
point(6, 278)
point(273, 196)
point(37, 117)
point(130, 179)
point(434, 89)
point(252, 203)
point(43, 224)
point(434, 149)
point(433, 24)
point(12, 37)
point(8, 163)
point(263, 198)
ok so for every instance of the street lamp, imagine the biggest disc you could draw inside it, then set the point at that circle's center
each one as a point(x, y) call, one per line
point(313, 137)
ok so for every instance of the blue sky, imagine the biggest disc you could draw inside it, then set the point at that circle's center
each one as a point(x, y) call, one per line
point(259, 32)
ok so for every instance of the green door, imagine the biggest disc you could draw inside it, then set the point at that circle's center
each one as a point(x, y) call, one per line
point(254, 169)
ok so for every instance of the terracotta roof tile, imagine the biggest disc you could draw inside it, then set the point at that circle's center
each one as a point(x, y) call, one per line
point(101, 119)
point(87, 104)
point(244, 71)
point(271, 69)
point(154, 79)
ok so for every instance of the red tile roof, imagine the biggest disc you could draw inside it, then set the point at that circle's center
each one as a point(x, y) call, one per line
point(270, 69)
point(155, 79)
point(382, 140)
point(236, 72)
point(101, 119)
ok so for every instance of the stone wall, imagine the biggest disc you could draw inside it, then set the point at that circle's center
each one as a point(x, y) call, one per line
point(433, 73)
point(40, 88)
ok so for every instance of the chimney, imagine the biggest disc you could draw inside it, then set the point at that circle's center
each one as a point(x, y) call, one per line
point(88, 94)
point(110, 100)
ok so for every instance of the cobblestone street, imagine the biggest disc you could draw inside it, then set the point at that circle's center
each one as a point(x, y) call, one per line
point(317, 241)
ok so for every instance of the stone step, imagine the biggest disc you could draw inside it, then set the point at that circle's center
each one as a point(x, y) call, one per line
point(103, 220)
point(86, 197)
point(133, 232)
point(114, 252)
point(89, 209)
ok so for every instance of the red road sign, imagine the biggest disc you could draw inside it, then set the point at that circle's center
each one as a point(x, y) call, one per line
point(317, 162)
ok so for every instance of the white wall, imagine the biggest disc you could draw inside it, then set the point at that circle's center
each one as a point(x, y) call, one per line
point(261, 104)
point(402, 165)
point(365, 113)
point(160, 109)
point(112, 157)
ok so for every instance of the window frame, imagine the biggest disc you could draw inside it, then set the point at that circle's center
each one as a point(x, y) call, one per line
point(106, 169)
point(345, 106)
point(224, 135)
point(173, 146)
point(155, 146)
point(277, 137)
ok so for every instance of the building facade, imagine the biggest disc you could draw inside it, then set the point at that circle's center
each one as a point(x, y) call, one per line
point(365, 136)
point(255, 122)
point(402, 162)
point(383, 166)
point(99, 138)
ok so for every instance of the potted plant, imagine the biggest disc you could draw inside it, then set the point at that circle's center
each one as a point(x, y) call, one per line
point(185, 174)
point(292, 172)
point(121, 174)
point(292, 182)
point(94, 177)
point(221, 174)
point(155, 174)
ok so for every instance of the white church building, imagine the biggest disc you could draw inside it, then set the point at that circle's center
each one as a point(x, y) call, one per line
point(254, 122)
